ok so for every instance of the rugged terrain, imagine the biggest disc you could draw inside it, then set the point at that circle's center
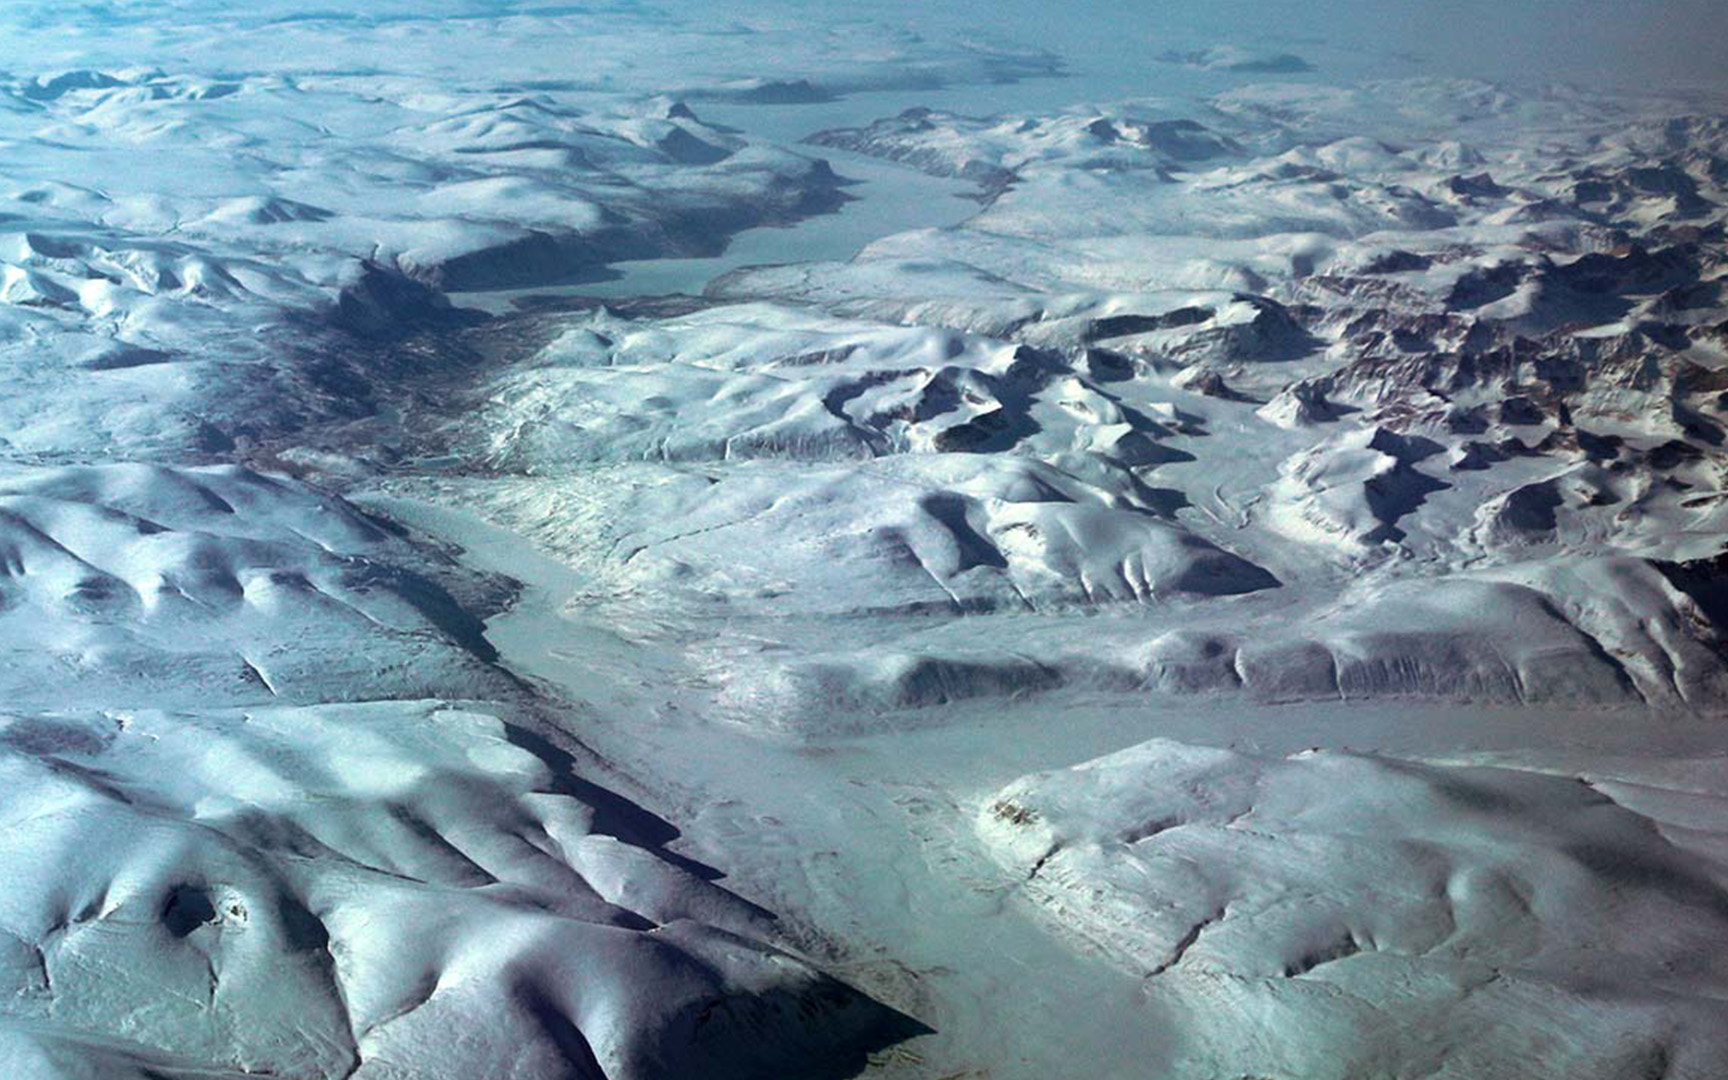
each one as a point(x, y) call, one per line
point(1250, 600)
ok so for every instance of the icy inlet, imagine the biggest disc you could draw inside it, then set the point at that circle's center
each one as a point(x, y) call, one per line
point(633, 543)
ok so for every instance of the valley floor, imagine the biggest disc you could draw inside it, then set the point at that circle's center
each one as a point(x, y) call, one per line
point(866, 847)
point(601, 543)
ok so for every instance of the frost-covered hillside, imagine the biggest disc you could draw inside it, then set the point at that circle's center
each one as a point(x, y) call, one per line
point(1249, 599)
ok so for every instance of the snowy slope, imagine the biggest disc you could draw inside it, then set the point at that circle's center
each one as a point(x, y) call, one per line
point(206, 872)
point(1285, 392)
point(1499, 920)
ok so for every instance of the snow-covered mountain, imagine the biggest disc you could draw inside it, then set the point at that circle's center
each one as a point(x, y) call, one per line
point(1249, 600)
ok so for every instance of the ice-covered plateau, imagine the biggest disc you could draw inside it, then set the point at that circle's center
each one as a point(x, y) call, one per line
point(1405, 393)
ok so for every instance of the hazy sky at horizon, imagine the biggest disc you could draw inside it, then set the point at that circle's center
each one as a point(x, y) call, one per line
point(1665, 42)
point(1111, 44)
